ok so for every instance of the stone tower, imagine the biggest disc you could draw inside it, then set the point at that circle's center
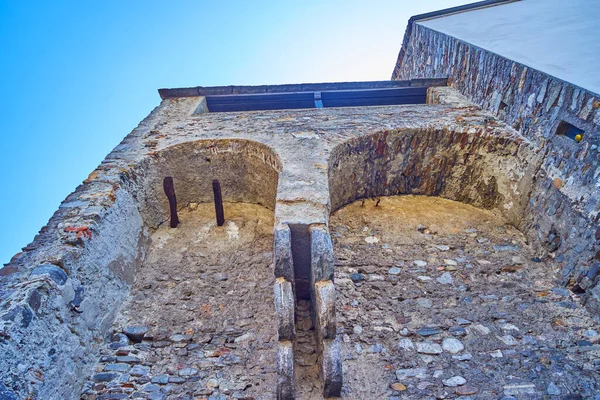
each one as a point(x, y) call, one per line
point(431, 236)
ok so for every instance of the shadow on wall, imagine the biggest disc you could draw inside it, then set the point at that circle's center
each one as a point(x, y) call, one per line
point(248, 171)
point(485, 170)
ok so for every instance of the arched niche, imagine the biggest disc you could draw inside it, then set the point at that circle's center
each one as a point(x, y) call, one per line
point(485, 170)
point(248, 172)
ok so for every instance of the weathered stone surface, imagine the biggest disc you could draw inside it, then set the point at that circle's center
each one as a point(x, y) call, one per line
point(487, 302)
point(202, 329)
point(429, 348)
point(406, 344)
point(465, 390)
point(454, 381)
point(282, 249)
point(139, 370)
point(429, 331)
point(187, 372)
point(324, 305)
point(104, 377)
point(403, 374)
point(380, 152)
point(284, 307)
point(100, 235)
point(117, 367)
point(220, 276)
point(285, 371)
point(452, 345)
point(161, 379)
point(553, 390)
point(445, 278)
point(55, 273)
point(519, 389)
point(394, 271)
point(6, 394)
point(135, 333)
point(331, 368)
point(322, 260)
point(563, 199)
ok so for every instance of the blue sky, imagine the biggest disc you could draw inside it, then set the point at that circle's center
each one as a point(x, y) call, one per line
point(77, 76)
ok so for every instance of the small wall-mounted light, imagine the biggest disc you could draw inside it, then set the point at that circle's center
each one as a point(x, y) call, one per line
point(571, 131)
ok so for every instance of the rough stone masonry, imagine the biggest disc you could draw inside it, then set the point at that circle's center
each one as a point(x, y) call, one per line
point(65, 297)
point(564, 205)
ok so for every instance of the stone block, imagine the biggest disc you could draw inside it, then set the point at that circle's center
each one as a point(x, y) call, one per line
point(135, 333)
point(325, 309)
point(285, 371)
point(284, 264)
point(6, 394)
point(54, 272)
point(202, 107)
point(284, 307)
point(322, 260)
point(331, 368)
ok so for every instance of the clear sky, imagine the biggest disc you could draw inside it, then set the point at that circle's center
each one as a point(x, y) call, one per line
point(77, 76)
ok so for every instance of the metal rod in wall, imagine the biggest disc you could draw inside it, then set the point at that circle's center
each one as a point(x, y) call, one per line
point(218, 202)
point(170, 192)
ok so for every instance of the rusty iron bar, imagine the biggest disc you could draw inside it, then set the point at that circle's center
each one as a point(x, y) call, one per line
point(218, 202)
point(170, 192)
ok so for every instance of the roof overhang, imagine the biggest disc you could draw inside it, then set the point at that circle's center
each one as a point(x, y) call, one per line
point(295, 88)
point(443, 13)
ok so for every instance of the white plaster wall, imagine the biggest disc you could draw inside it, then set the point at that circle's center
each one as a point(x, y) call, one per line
point(560, 38)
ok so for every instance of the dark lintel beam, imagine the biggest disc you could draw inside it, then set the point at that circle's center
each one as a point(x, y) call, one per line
point(296, 87)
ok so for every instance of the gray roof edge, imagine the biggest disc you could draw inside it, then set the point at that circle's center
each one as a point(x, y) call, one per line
point(297, 87)
point(458, 9)
point(442, 13)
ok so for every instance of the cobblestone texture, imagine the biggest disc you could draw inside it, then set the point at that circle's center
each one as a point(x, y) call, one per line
point(472, 313)
point(205, 294)
point(306, 368)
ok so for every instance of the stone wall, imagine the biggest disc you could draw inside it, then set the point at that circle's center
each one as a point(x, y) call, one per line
point(487, 171)
point(60, 295)
point(563, 210)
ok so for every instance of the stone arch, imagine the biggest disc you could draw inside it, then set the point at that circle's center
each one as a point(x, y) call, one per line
point(492, 171)
point(247, 170)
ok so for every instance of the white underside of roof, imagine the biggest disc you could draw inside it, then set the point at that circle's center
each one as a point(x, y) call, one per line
point(558, 37)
